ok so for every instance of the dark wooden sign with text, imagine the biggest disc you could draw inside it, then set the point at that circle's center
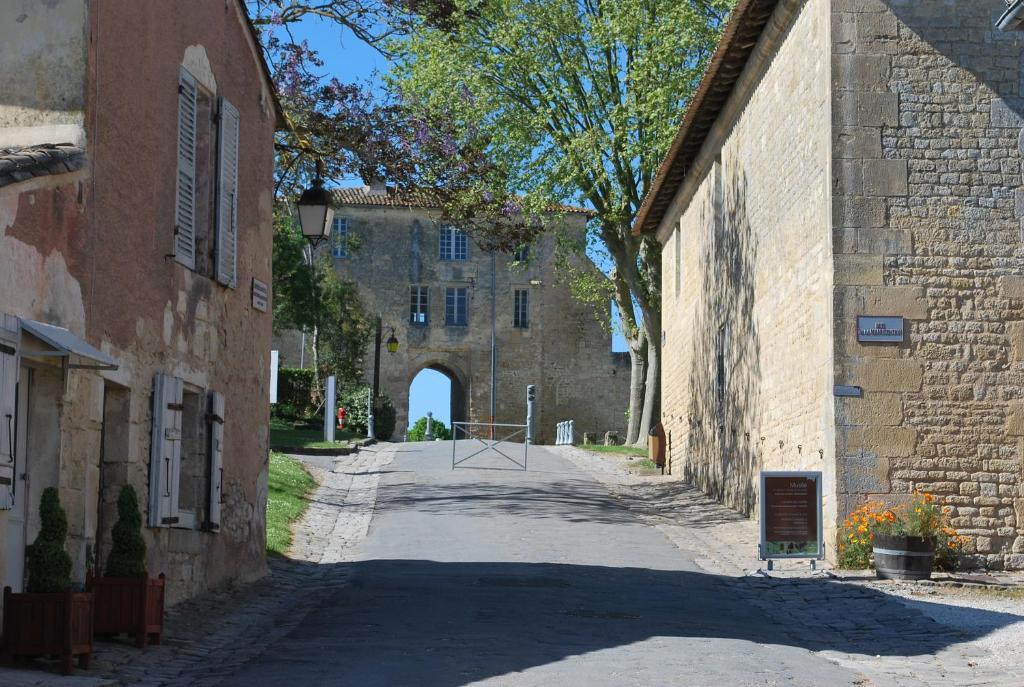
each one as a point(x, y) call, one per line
point(791, 515)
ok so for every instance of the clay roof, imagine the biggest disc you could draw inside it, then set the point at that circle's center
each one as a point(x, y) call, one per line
point(362, 195)
point(739, 37)
point(21, 164)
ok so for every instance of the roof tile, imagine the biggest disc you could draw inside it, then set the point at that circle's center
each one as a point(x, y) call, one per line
point(21, 164)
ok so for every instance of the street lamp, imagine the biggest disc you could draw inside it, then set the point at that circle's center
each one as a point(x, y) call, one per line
point(392, 344)
point(315, 211)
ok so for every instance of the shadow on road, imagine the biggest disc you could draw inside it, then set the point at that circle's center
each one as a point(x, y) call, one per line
point(421, 622)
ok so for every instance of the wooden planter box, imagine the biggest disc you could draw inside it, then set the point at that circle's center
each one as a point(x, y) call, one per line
point(44, 624)
point(129, 605)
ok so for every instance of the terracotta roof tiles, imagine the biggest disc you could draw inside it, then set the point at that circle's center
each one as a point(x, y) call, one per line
point(21, 164)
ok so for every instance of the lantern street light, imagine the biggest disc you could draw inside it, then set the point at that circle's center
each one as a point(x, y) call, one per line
point(392, 345)
point(315, 211)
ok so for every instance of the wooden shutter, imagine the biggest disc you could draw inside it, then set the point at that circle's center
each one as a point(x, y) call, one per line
point(227, 194)
point(185, 204)
point(8, 415)
point(165, 451)
point(216, 458)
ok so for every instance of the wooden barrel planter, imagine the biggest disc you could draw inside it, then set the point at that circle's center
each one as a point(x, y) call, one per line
point(903, 558)
point(58, 624)
point(130, 605)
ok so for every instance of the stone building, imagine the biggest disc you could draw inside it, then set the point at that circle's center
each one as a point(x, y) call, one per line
point(432, 287)
point(846, 159)
point(136, 170)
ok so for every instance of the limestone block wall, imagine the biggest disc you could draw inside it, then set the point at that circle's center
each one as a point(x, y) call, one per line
point(747, 276)
point(565, 351)
point(927, 224)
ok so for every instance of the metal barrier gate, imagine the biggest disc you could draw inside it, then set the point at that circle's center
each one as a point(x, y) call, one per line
point(484, 433)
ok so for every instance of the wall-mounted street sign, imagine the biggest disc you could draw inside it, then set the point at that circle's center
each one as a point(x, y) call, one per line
point(791, 524)
point(879, 329)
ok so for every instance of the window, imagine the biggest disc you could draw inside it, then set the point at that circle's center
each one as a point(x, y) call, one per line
point(522, 254)
point(456, 311)
point(454, 244)
point(206, 201)
point(186, 456)
point(521, 313)
point(339, 238)
point(418, 306)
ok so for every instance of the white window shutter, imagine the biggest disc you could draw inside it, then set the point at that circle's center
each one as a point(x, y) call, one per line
point(185, 204)
point(227, 194)
point(216, 458)
point(8, 420)
point(165, 452)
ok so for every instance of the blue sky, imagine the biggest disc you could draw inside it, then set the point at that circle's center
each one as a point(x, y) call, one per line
point(349, 59)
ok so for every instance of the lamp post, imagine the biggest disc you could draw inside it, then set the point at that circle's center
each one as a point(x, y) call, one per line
point(392, 345)
point(315, 218)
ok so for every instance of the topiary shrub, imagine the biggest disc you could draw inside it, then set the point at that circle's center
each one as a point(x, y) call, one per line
point(128, 553)
point(418, 432)
point(49, 565)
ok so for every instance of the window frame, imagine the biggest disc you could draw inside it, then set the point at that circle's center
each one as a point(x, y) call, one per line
point(339, 247)
point(419, 306)
point(521, 309)
point(452, 297)
point(453, 245)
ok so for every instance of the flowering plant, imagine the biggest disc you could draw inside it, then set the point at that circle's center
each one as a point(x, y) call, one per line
point(921, 517)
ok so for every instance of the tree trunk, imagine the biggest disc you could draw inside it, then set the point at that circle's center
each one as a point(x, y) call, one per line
point(637, 370)
point(652, 392)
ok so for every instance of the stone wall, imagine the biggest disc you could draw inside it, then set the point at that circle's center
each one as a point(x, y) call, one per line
point(89, 251)
point(927, 224)
point(747, 275)
point(565, 351)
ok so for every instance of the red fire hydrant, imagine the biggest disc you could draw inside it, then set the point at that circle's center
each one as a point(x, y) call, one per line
point(341, 418)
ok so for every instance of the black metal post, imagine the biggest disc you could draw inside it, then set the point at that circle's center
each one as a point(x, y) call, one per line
point(376, 364)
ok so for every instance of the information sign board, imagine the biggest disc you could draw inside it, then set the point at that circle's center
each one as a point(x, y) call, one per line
point(791, 524)
point(879, 329)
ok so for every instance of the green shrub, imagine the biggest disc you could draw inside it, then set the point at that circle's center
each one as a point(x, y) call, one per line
point(49, 565)
point(418, 432)
point(295, 393)
point(353, 400)
point(128, 553)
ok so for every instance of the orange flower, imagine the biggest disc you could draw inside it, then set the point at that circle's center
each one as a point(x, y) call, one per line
point(862, 528)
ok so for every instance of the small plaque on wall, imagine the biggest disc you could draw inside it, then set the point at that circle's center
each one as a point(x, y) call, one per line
point(260, 295)
point(879, 329)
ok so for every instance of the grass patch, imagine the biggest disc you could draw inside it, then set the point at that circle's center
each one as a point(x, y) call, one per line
point(288, 493)
point(643, 464)
point(284, 434)
point(621, 450)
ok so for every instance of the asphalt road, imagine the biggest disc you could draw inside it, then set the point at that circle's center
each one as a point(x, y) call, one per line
point(487, 574)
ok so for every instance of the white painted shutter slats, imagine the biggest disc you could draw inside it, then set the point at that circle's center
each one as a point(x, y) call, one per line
point(216, 457)
point(165, 451)
point(227, 194)
point(185, 203)
point(8, 420)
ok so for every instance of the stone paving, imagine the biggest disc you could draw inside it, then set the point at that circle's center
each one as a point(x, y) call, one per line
point(823, 615)
point(212, 636)
point(406, 572)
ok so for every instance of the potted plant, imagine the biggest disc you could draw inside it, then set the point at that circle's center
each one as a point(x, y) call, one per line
point(128, 600)
point(49, 618)
point(900, 542)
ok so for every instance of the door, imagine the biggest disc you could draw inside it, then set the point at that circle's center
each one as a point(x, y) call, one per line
point(14, 575)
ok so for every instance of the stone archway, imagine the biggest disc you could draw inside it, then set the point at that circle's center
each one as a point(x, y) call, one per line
point(458, 408)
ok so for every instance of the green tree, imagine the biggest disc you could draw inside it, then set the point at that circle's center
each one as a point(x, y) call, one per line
point(49, 565)
point(418, 431)
point(309, 296)
point(579, 101)
point(128, 552)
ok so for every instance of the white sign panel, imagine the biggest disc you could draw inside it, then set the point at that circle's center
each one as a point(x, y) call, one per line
point(879, 329)
point(275, 359)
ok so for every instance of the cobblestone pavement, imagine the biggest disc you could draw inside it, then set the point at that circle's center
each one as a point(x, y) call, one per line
point(211, 637)
point(984, 629)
